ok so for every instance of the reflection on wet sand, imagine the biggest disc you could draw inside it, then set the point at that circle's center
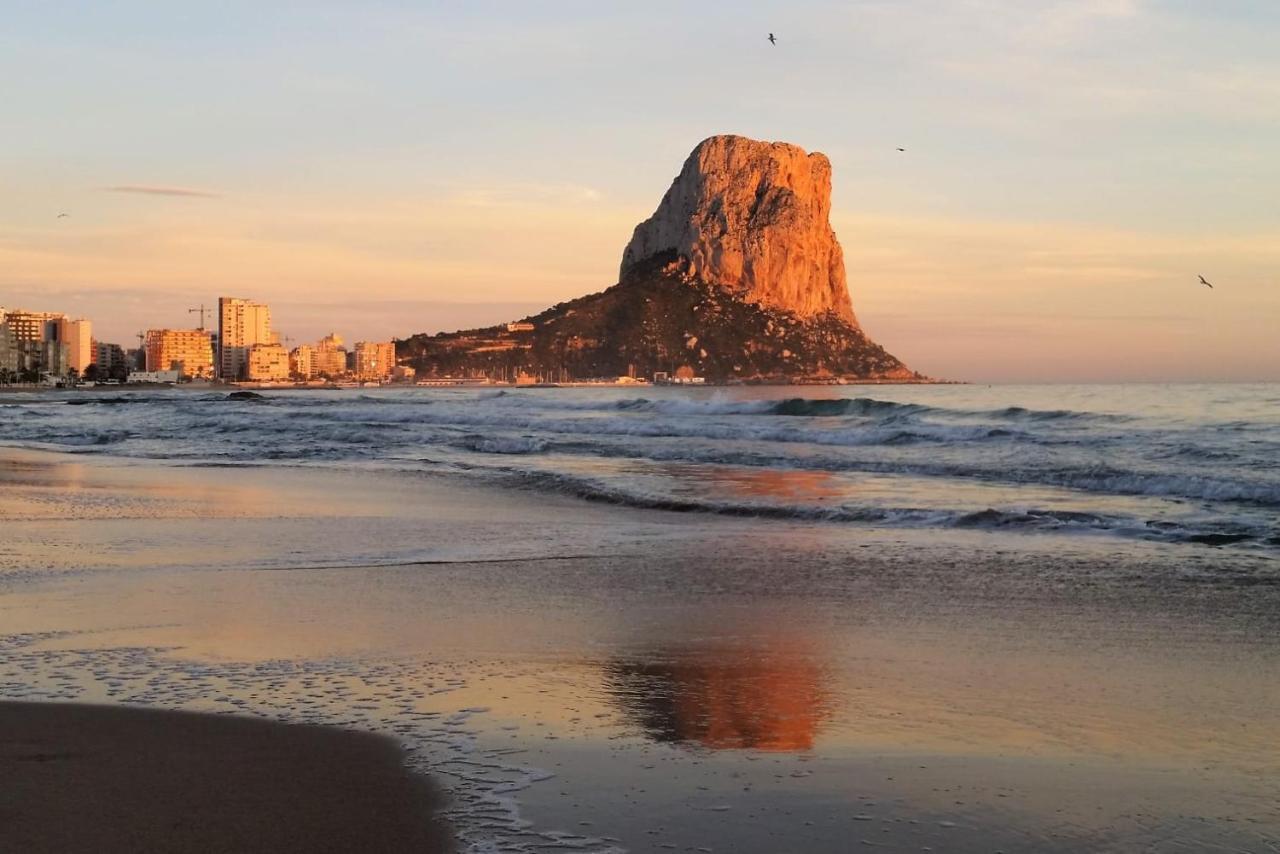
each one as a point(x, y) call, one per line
point(724, 697)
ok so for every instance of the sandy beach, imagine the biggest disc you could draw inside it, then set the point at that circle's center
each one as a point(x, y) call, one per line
point(612, 679)
point(109, 779)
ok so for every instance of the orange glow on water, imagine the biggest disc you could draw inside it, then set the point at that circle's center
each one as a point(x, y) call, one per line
point(727, 697)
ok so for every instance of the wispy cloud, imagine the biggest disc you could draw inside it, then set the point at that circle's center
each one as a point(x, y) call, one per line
point(156, 190)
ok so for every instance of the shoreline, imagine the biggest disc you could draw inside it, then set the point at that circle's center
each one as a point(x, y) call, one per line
point(123, 779)
point(454, 382)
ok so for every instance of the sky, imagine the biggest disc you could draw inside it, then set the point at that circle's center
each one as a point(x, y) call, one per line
point(387, 168)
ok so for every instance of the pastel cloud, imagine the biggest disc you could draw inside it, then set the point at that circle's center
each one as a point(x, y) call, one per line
point(155, 190)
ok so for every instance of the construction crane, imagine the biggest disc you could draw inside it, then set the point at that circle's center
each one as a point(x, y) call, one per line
point(200, 311)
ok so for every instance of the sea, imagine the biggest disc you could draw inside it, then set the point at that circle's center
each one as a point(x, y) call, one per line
point(1187, 464)
point(635, 620)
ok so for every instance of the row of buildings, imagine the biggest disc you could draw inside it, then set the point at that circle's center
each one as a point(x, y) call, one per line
point(35, 344)
point(40, 346)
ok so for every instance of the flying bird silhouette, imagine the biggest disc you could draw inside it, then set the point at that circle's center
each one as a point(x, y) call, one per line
point(902, 149)
point(772, 40)
point(1205, 282)
point(61, 215)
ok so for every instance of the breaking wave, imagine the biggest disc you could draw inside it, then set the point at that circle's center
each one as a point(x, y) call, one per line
point(1207, 462)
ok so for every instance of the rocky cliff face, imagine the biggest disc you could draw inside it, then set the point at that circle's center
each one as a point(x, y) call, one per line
point(752, 218)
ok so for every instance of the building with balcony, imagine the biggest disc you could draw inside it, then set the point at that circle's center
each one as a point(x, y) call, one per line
point(330, 357)
point(242, 324)
point(267, 363)
point(374, 360)
point(189, 351)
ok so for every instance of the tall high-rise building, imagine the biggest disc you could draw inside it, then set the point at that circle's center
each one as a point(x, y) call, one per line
point(375, 359)
point(37, 338)
point(78, 336)
point(8, 351)
point(241, 324)
point(188, 350)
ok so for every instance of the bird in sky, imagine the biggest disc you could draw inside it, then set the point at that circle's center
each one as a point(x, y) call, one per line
point(902, 149)
point(772, 40)
point(1205, 282)
point(61, 215)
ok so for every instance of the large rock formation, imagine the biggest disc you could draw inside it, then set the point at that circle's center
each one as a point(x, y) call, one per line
point(737, 277)
point(752, 217)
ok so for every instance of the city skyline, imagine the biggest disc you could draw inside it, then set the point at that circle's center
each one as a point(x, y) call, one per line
point(47, 347)
point(1070, 168)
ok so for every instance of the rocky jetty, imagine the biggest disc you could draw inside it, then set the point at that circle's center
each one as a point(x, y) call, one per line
point(737, 277)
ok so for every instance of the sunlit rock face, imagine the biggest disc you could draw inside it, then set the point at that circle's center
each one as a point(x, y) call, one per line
point(752, 218)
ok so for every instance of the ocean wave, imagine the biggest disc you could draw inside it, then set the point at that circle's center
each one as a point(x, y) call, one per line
point(1020, 413)
point(1031, 520)
point(1180, 485)
point(85, 439)
point(509, 445)
point(825, 408)
point(683, 406)
point(847, 435)
point(108, 401)
point(797, 407)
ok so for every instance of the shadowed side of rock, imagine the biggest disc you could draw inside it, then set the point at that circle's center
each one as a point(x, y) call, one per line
point(661, 319)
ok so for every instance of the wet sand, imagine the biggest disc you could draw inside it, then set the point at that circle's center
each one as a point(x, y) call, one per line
point(107, 779)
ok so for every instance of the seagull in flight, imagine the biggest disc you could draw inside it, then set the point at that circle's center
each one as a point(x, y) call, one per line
point(902, 149)
point(61, 215)
point(772, 40)
point(1205, 282)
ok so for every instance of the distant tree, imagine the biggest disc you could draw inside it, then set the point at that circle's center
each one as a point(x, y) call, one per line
point(91, 373)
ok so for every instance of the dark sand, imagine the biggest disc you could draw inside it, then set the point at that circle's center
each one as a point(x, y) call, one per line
point(94, 778)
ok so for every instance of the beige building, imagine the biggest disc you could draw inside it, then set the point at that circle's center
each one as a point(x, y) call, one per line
point(190, 351)
point(37, 338)
point(34, 325)
point(302, 361)
point(267, 362)
point(78, 336)
point(330, 357)
point(242, 324)
point(375, 360)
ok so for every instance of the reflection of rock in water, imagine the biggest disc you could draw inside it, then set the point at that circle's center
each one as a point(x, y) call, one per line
point(724, 698)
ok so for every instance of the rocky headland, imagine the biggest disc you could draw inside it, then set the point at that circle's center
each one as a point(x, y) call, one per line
point(737, 276)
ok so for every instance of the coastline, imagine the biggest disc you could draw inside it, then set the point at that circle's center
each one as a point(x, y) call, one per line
point(87, 778)
point(452, 382)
